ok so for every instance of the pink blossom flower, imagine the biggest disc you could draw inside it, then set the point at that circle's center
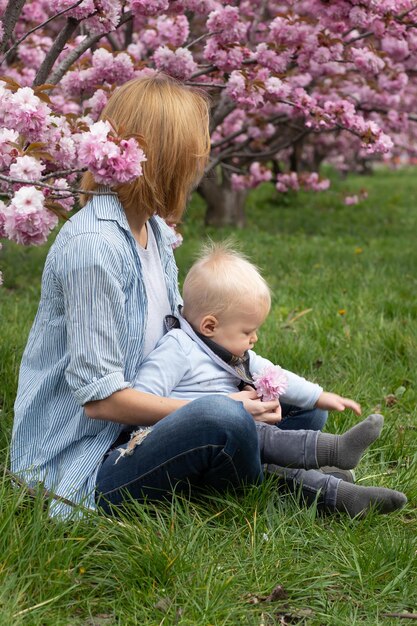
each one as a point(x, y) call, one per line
point(62, 194)
point(111, 160)
point(367, 61)
point(178, 63)
point(106, 16)
point(178, 237)
point(349, 200)
point(202, 7)
point(270, 383)
point(26, 220)
point(225, 25)
point(173, 30)
point(26, 168)
point(277, 88)
point(285, 182)
point(148, 7)
point(276, 62)
point(27, 114)
point(96, 103)
point(79, 12)
point(312, 182)
point(227, 58)
point(7, 152)
point(241, 90)
point(2, 219)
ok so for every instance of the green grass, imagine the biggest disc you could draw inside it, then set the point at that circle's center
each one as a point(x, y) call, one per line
point(344, 314)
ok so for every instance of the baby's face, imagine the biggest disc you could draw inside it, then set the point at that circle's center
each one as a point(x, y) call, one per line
point(238, 333)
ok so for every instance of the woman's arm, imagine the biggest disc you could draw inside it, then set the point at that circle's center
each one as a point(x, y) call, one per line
point(129, 406)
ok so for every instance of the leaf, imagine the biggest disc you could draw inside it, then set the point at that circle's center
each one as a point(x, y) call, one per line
point(163, 604)
point(44, 87)
point(400, 391)
point(101, 619)
point(278, 593)
point(390, 400)
point(10, 83)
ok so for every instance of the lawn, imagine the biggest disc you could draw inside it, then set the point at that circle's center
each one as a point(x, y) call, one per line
point(344, 314)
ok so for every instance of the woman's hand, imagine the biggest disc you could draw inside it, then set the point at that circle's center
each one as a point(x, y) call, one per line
point(333, 402)
point(268, 412)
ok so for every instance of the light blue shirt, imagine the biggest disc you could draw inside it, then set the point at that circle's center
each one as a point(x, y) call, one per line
point(86, 343)
point(182, 366)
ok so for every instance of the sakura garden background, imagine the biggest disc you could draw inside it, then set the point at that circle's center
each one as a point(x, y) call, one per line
point(292, 84)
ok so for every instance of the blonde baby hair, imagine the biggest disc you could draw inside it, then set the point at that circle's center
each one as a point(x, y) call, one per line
point(223, 281)
point(170, 121)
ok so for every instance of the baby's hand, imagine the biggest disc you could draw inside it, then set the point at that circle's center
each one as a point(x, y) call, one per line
point(333, 402)
point(268, 412)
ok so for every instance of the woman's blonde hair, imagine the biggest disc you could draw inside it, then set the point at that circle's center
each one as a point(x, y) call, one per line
point(222, 282)
point(170, 121)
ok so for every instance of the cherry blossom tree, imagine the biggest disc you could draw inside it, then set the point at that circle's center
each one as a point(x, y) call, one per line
point(291, 83)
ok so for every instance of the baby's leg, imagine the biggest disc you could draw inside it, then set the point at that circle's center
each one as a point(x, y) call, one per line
point(312, 449)
point(333, 494)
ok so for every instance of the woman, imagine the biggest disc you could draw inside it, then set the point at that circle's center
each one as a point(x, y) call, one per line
point(109, 280)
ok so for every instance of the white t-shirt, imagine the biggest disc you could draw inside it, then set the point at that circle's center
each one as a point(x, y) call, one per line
point(156, 291)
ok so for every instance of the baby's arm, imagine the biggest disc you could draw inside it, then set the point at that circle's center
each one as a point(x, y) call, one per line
point(303, 393)
point(333, 402)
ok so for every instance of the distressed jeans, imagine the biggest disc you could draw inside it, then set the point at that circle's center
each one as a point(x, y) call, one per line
point(211, 442)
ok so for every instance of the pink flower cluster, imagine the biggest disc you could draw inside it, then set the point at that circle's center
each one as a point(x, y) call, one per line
point(257, 174)
point(178, 63)
point(25, 220)
point(226, 27)
point(99, 16)
point(270, 383)
point(110, 159)
point(285, 182)
point(308, 181)
point(113, 69)
point(24, 112)
point(148, 7)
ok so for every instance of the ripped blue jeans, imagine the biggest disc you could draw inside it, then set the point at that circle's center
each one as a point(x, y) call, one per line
point(211, 442)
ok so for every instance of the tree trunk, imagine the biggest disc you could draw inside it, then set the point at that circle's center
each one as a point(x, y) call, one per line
point(225, 206)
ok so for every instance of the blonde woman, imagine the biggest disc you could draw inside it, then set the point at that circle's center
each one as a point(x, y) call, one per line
point(109, 280)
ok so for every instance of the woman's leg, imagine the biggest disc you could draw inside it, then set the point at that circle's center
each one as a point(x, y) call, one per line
point(294, 418)
point(211, 442)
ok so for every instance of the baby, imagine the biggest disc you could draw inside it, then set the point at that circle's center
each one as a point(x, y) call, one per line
point(208, 349)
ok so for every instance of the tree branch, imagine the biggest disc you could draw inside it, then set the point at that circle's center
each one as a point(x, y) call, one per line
point(66, 63)
point(9, 19)
point(64, 193)
point(35, 28)
point(57, 47)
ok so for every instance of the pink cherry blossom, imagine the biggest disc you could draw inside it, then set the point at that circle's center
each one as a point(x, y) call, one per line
point(349, 200)
point(27, 114)
point(2, 219)
point(179, 63)
point(26, 168)
point(270, 383)
point(7, 151)
point(226, 26)
point(26, 221)
point(148, 7)
point(111, 160)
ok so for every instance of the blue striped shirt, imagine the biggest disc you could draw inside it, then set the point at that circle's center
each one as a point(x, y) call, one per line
point(86, 343)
